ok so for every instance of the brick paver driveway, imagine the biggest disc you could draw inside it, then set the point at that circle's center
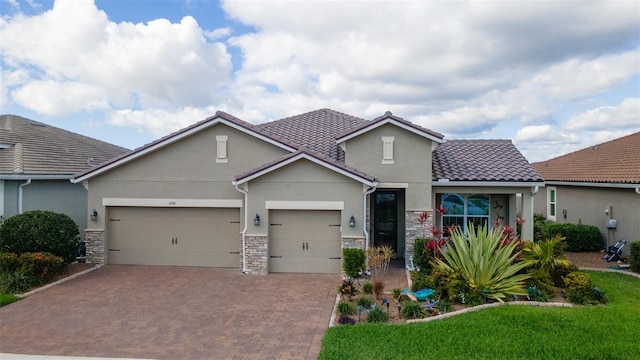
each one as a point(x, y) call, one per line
point(173, 313)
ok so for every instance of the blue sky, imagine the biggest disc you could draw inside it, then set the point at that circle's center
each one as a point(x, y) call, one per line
point(554, 77)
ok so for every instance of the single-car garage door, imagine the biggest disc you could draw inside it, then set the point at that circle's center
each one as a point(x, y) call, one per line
point(174, 236)
point(304, 241)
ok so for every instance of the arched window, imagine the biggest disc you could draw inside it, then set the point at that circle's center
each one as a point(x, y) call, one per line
point(463, 209)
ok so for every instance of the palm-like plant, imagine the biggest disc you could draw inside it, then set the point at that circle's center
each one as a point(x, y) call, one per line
point(545, 254)
point(488, 264)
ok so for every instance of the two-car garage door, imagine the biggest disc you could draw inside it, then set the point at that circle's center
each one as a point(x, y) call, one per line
point(174, 236)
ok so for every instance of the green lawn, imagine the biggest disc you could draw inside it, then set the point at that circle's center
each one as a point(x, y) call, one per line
point(6, 299)
point(509, 332)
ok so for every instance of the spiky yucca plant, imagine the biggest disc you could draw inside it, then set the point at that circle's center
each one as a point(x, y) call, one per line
point(486, 263)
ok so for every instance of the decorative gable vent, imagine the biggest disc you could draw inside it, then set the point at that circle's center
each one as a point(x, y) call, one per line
point(387, 150)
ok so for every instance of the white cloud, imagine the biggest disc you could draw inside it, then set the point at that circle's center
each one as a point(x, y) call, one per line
point(158, 64)
point(218, 33)
point(158, 121)
point(57, 98)
point(624, 116)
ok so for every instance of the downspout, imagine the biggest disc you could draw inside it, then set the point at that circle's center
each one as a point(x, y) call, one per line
point(638, 190)
point(244, 231)
point(364, 216)
point(20, 196)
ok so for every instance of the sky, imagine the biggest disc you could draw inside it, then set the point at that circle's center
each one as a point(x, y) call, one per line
point(552, 76)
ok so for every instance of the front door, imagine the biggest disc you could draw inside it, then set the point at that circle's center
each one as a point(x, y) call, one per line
point(385, 219)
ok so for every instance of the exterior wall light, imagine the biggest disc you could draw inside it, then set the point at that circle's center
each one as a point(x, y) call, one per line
point(94, 215)
point(352, 221)
point(256, 220)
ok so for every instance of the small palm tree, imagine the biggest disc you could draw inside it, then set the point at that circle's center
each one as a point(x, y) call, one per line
point(545, 254)
point(488, 264)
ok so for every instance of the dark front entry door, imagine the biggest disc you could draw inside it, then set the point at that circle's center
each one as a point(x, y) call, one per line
point(385, 222)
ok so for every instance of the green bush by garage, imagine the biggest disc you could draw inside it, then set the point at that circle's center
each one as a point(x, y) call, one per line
point(579, 237)
point(40, 232)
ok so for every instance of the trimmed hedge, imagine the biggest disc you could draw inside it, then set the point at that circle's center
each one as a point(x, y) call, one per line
point(41, 231)
point(21, 273)
point(635, 256)
point(579, 237)
point(353, 261)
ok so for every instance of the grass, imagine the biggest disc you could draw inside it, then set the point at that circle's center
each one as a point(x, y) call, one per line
point(6, 299)
point(509, 332)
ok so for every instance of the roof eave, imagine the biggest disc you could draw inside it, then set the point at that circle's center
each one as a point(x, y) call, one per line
point(485, 183)
point(618, 185)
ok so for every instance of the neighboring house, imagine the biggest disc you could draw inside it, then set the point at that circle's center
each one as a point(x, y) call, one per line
point(37, 162)
point(593, 186)
point(289, 195)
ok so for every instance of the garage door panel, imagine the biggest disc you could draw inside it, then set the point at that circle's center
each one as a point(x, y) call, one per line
point(305, 241)
point(174, 236)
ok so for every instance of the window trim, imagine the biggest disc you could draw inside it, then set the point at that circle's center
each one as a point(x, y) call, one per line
point(221, 149)
point(551, 189)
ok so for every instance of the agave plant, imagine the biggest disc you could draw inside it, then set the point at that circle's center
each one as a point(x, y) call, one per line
point(545, 254)
point(488, 265)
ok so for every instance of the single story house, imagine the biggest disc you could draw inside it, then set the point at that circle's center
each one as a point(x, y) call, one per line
point(289, 195)
point(37, 162)
point(598, 185)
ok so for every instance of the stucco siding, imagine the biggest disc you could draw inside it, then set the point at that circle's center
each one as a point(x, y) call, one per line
point(60, 196)
point(184, 170)
point(411, 161)
point(305, 181)
point(587, 205)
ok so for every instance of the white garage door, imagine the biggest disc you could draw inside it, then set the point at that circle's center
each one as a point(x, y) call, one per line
point(304, 241)
point(174, 236)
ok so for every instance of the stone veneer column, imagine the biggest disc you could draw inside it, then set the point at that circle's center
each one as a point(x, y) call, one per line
point(413, 230)
point(257, 254)
point(94, 239)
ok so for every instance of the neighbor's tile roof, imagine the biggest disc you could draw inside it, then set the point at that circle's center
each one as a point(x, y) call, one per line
point(29, 147)
point(315, 131)
point(616, 161)
point(482, 160)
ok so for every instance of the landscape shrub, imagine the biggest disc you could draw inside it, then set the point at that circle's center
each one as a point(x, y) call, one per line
point(421, 255)
point(448, 283)
point(42, 266)
point(40, 231)
point(346, 320)
point(539, 223)
point(348, 287)
point(353, 262)
point(421, 280)
point(412, 310)
point(378, 288)
point(365, 302)
point(16, 282)
point(559, 272)
point(579, 237)
point(367, 288)
point(578, 288)
point(345, 308)
point(377, 315)
point(635, 256)
point(8, 262)
point(474, 299)
point(541, 280)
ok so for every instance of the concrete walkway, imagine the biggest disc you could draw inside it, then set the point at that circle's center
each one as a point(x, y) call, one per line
point(157, 312)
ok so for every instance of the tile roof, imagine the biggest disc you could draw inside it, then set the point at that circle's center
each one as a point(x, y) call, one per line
point(482, 160)
point(615, 161)
point(316, 131)
point(29, 147)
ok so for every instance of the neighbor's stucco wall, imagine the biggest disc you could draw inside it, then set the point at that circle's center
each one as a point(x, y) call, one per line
point(412, 161)
point(304, 180)
point(184, 170)
point(587, 205)
point(60, 196)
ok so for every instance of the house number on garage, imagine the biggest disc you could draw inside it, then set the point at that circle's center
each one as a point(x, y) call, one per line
point(172, 203)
